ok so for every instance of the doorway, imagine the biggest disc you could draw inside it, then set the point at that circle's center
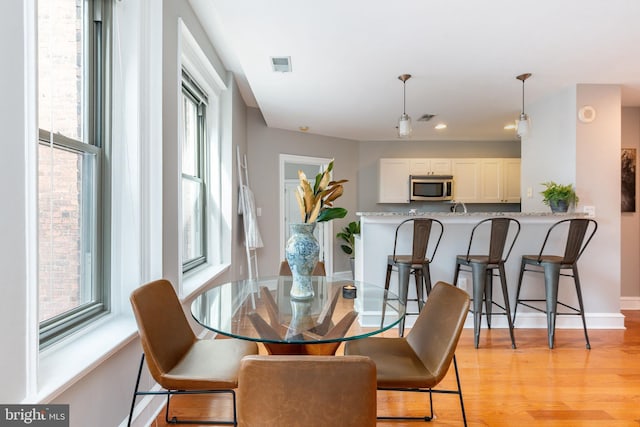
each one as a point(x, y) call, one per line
point(289, 212)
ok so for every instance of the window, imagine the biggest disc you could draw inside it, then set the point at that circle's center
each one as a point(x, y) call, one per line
point(194, 183)
point(72, 101)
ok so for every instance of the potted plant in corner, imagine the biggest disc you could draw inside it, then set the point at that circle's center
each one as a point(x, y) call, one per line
point(347, 235)
point(558, 196)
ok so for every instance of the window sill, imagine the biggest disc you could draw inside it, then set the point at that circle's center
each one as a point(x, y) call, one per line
point(194, 283)
point(65, 363)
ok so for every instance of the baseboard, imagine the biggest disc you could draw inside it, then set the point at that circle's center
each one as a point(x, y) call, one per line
point(629, 303)
point(527, 320)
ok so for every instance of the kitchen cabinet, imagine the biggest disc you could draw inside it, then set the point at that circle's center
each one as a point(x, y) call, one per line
point(476, 180)
point(500, 181)
point(511, 180)
point(466, 180)
point(430, 166)
point(493, 180)
point(393, 180)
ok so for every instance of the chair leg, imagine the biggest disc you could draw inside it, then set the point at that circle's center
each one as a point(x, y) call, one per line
point(419, 279)
point(386, 288)
point(478, 271)
point(488, 296)
point(507, 305)
point(522, 270)
point(427, 278)
point(455, 275)
point(551, 281)
point(576, 279)
point(403, 288)
point(464, 415)
point(135, 391)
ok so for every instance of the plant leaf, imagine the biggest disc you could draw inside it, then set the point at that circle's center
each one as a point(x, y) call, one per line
point(331, 213)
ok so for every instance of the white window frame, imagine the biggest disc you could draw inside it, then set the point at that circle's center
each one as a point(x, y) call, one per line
point(195, 62)
point(95, 142)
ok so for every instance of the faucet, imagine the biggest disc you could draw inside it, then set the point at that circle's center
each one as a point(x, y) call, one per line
point(455, 206)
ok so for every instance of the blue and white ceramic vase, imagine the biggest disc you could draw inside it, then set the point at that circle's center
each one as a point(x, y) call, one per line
point(302, 253)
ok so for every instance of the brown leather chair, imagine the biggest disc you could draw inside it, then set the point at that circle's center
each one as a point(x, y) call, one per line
point(503, 233)
point(307, 391)
point(318, 270)
point(417, 263)
point(419, 361)
point(177, 360)
point(552, 265)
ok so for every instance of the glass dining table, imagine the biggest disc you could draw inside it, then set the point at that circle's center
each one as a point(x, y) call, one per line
point(262, 310)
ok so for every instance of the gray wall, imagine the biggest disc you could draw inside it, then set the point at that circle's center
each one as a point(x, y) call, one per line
point(264, 148)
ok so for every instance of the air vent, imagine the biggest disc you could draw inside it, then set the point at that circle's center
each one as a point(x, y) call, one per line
point(426, 117)
point(281, 64)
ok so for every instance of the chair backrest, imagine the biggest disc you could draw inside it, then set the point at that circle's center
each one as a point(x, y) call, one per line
point(306, 391)
point(434, 336)
point(318, 270)
point(164, 330)
point(576, 243)
point(498, 241)
point(421, 236)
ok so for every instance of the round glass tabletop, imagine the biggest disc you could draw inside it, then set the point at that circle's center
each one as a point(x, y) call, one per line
point(262, 310)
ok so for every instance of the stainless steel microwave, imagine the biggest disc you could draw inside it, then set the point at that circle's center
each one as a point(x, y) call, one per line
point(431, 187)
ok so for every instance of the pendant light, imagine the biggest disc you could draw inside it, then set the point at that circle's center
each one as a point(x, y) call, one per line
point(523, 124)
point(404, 123)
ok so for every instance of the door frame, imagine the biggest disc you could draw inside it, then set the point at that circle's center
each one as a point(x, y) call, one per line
point(328, 226)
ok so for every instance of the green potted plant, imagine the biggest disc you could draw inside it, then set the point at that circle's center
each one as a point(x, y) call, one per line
point(558, 196)
point(347, 235)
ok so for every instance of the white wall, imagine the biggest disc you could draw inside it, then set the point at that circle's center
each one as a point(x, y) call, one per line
point(549, 152)
point(16, 175)
point(630, 221)
point(562, 149)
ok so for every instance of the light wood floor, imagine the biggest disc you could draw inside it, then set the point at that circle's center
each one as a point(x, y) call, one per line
point(530, 386)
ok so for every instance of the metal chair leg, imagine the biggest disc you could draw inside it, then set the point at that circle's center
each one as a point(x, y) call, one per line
point(576, 279)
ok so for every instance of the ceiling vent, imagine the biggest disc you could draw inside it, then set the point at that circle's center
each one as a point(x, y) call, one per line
point(426, 117)
point(281, 64)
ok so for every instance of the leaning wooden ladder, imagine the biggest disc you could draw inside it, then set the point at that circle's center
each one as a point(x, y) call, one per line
point(243, 181)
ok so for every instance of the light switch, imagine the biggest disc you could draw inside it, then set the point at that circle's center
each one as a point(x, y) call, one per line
point(529, 192)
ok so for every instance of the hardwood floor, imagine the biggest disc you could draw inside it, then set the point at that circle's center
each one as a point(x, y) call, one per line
point(532, 385)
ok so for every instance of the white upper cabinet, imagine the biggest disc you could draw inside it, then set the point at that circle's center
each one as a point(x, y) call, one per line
point(393, 180)
point(487, 180)
point(466, 180)
point(430, 167)
point(511, 183)
point(475, 180)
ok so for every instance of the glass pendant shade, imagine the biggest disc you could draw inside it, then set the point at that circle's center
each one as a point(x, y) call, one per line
point(523, 125)
point(404, 126)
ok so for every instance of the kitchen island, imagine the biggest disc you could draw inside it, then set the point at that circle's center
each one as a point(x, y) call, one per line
point(376, 240)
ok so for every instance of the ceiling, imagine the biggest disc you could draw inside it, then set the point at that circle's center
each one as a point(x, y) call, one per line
point(464, 55)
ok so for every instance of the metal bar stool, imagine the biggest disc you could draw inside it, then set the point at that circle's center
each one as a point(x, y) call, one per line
point(417, 263)
point(551, 266)
point(482, 266)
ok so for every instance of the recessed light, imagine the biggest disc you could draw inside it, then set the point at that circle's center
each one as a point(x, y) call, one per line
point(510, 126)
point(304, 128)
point(440, 126)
